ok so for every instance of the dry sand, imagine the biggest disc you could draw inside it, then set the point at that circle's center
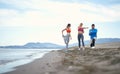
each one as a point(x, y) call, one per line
point(105, 59)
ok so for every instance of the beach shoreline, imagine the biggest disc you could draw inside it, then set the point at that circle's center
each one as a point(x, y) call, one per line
point(11, 58)
point(104, 59)
point(44, 64)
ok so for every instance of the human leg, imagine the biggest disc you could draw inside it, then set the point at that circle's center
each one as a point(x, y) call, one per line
point(67, 40)
point(79, 42)
point(93, 42)
point(82, 37)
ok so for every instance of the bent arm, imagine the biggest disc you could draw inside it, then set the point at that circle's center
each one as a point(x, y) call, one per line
point(63, 30)
point(85, 27)
point(89, 32)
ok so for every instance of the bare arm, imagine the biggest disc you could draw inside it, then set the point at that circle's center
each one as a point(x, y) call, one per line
point(85, 27)
point(70, 36)
point(63, 30)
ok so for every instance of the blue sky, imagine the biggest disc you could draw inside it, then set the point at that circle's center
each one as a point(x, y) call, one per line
point(23, 21)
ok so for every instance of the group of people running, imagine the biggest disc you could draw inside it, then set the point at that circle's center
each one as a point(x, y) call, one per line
point(92, 34)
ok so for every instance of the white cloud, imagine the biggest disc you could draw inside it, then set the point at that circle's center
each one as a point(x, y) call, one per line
point(51, 17)
point(7, 13)
point(47, 12)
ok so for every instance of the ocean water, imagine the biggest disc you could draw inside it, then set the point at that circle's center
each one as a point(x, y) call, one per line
point(11, 58)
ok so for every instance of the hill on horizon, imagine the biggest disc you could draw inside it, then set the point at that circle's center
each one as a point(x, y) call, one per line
point(100, 41)
point(38, 45)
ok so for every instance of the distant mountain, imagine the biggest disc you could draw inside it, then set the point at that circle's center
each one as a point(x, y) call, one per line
point(42, 45)
point(100, 40)
point(107, 40)
point(37, 45)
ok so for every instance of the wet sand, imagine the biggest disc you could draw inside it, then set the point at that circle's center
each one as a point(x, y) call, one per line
point(104, 59)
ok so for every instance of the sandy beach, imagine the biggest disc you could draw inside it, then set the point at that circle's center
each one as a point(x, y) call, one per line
point(104, 59)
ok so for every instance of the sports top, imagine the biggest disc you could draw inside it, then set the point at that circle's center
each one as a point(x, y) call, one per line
point(81, 29)
point(68, 30)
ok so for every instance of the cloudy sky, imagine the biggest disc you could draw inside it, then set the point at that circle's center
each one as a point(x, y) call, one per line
point(23, 21)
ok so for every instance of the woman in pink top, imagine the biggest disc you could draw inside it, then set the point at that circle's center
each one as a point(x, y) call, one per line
point(81, 36)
